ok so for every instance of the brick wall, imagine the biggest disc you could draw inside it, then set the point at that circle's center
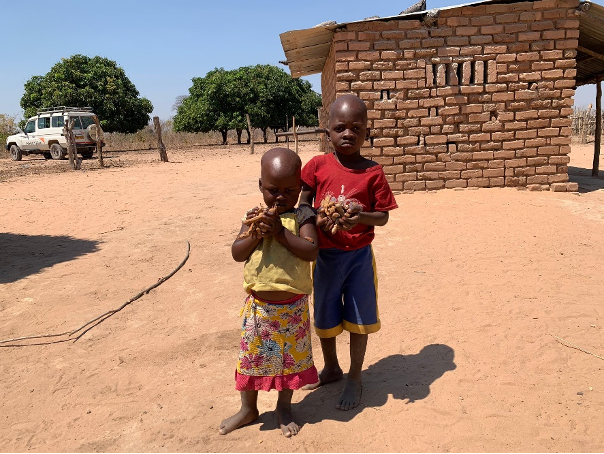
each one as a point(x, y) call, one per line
point(481, 97)
point(328, 94)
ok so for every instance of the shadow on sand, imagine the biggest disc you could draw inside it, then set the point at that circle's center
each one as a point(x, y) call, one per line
point(24, 255)
point(405, 377)
point(587, 183)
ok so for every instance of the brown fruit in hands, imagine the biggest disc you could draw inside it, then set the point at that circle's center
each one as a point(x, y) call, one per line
point(255, 230)
point(336, 212)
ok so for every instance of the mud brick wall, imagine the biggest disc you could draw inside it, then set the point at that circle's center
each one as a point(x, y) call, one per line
point(481, 96)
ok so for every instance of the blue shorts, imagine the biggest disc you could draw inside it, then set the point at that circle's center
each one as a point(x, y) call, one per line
point(345, 292)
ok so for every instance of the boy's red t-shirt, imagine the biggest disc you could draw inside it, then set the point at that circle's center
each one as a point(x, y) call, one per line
point(324, 174)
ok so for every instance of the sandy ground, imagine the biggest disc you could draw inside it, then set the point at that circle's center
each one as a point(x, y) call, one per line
point(477, 287)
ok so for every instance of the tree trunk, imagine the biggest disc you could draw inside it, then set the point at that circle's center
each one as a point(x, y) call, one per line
point(276, 137)
point(249, 128)
point(264, 135)
point(224, 135)
point(249, 135)
point(239, 131)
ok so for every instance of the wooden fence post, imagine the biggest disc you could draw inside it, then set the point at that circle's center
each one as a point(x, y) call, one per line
point(99, 146)
point(249, 127)
point(72, 152)
point(295, 133)
point(160, 144)
point(585, 124)
point(598, 134)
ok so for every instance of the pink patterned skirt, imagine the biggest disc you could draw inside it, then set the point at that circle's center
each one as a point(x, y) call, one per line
point(275, 348)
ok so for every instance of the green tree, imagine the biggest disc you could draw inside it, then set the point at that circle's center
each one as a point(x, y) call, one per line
point(202, 110)
point(220, 100)
point(278, 97)
point(97, 82)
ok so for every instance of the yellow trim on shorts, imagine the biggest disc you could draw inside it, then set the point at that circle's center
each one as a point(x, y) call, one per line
point(361, 329)
point(331, 332)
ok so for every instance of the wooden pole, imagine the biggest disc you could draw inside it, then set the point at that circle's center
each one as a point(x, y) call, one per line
point(598, 138)
point(160, 144)
point(295, 133)
point(99, 143)
point(249, 127)
point(585, 124)
point(74, 162)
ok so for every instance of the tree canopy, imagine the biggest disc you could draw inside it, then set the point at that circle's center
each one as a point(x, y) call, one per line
point(81, 81)
point(220, 100)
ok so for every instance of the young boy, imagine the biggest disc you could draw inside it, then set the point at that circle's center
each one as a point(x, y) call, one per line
point(344, 276)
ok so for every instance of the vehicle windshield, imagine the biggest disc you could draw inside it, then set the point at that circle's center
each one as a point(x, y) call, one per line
point(86, 121)
point(30, 127)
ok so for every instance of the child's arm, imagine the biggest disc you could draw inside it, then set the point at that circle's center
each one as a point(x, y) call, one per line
point(307, 195)
point(243, 247)
point(300, 246)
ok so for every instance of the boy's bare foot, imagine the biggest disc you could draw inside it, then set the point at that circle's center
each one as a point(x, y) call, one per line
point(241, 418)
point(325, 376)
point(351, 395)
point(286, 421)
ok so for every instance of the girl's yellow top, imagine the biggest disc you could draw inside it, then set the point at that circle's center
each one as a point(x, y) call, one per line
point(271, 267)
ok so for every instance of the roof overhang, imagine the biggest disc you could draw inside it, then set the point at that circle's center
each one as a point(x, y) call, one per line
point(306, 50)
point(590, 53)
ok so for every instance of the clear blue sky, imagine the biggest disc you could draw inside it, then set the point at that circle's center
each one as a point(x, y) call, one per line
point(161, 45)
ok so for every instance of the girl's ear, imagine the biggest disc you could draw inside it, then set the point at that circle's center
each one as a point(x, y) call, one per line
point(260, 184)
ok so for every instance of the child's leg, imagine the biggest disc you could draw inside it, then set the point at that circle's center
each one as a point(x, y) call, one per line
point(353, 388)
point(246, 414)
point(284, 413)
point(332, 370)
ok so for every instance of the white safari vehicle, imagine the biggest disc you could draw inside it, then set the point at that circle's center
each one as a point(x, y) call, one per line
point(43, 134)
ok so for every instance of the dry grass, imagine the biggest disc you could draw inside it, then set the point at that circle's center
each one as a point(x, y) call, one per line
point(146, 139)
point(583, 130)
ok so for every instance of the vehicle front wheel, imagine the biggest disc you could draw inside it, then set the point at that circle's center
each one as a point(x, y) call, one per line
point(57, 151)
point(15, 153)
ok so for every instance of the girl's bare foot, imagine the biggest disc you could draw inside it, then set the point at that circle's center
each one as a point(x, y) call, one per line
point(286, 421)
point(351, 395)
point(241, 418)
point(325, 376)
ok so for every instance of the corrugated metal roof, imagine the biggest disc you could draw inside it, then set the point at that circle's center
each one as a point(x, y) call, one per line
point(306, 50)
point(590, 54)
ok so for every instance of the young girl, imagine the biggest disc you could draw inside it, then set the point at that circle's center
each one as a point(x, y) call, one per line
point(275, 338)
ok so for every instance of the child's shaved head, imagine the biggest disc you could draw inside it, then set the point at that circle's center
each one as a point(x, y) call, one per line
point(280, 162)
point(349, 103)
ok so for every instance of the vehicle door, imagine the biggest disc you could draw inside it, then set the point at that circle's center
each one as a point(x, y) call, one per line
point(78, 130)
point(29, 136)
point(42, 133)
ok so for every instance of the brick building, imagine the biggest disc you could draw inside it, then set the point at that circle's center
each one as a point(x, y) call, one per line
point(476, 95)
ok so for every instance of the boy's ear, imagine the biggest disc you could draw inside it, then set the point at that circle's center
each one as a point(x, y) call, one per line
point(368, 134)
point(260, 184)
point(328, 134)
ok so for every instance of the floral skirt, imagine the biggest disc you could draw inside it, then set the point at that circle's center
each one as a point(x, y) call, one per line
point(275, 349)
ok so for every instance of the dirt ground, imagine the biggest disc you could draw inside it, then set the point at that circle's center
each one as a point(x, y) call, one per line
point(478, 291)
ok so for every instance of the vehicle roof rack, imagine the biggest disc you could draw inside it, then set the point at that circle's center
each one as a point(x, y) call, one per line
point(64, 109)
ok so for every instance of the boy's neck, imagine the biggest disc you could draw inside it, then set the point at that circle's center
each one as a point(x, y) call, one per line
point(353, 161)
